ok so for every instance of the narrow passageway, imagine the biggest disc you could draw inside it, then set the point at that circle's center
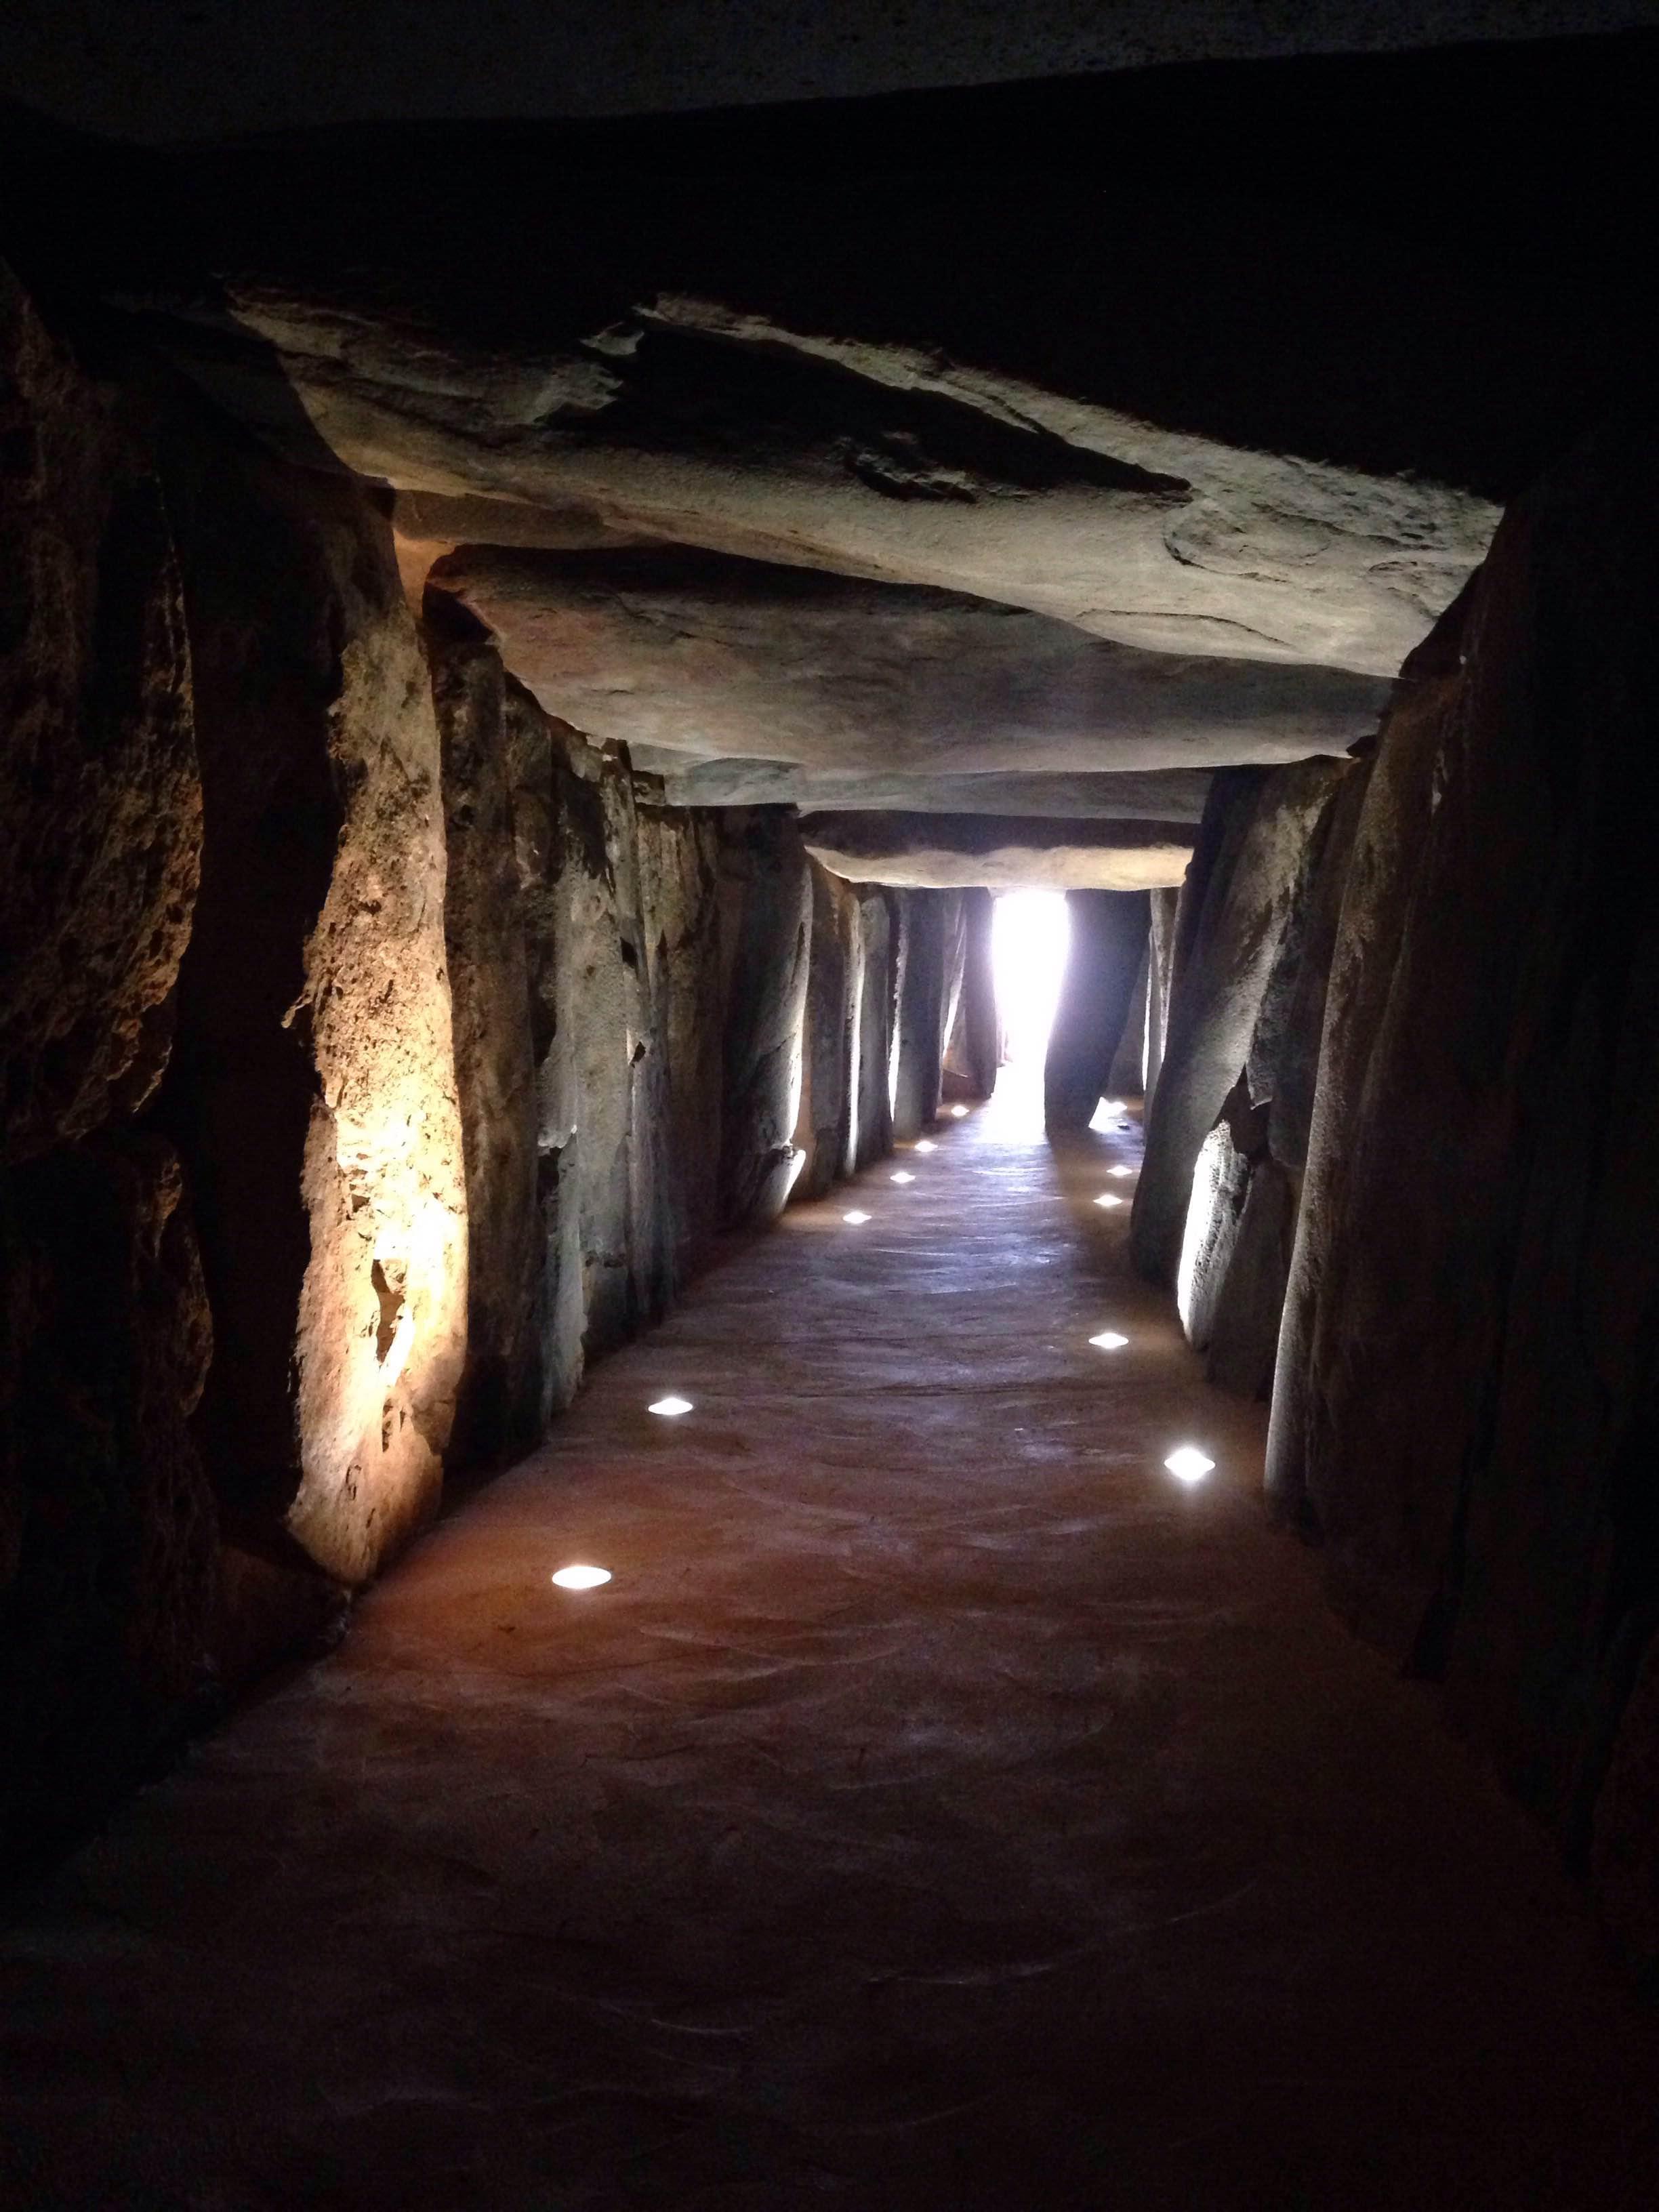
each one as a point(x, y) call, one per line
point(941, 1806)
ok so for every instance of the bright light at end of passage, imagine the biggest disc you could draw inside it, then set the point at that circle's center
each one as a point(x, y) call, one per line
point(958, 1112)
point(1109, 1198)
point(926, 1145)
point(1109, 1340)
point(582, 1577)
point(670, 1408)
point(904, 1175)
point(856, 1216)
point(1189, 1464)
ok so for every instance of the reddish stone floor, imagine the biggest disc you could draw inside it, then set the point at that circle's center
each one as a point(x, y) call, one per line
point(941, 1808)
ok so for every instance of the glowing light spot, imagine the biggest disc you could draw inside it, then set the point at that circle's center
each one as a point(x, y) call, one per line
point(1120, 1171)
point(857, 1217)
point(904, 1175)
point(1188, 1465)
point(1109, 1198)
point(1030, 932)
point(926, 1145)
point(581, 1578)
point(670, 1409)
point(1109, 1340)
point(958, 1112)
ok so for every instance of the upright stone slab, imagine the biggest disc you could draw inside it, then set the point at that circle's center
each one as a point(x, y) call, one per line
point(313, 1094)
point(1466, 1401)
point(499, 1413)
point(766, 909)
point(919, 1045)
point(974, 1052)
point(1108, 940)
point(824, 1130)
point(1258, 841)
point(878, 996)
point(1160, 960)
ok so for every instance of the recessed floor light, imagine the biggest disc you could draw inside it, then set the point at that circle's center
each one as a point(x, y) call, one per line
point(1189, 1464)
point(1109, 1198)
point(670, 1408)
point(904, 1175)
point(1120, 1171)
point(1109, 1340)
point(856, 1216)
point(926, 1145)
point(958, 1112)
point(581, 1578)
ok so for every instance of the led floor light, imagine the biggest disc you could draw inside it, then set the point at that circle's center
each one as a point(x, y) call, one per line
point(1188, 1465)
point(670, 1409)
point(1109, 1340)
point(581, 1578)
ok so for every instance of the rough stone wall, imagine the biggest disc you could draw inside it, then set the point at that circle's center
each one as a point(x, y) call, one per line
point(974, 1052)
point(499, 1404)
point(928, 925)
point(377, 1051)
point(1236, 933)
point(824, 1133)
point(879, 994)
point(598, 953)
point(1160, 962)
point(1241, 1211)
point(1108, 942)
point(1467, 1410)
point(108, 1534)
point(312, 1092)
point(766, 910)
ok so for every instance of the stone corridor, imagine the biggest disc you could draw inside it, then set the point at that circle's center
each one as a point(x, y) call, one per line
point(941, 1807)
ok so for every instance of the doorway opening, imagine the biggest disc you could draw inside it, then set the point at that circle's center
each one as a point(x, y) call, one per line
point(1031, 936)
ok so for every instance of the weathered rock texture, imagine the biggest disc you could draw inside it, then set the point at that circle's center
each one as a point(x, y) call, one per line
point(312, 1092)
point(766, 892)
point(107, 1530)
point(454, 1047)
point(1236, 923)
point(100, 802)
point(942, 852)
point(827, 1131)
point(973, 1051)
point(1163, 906)
point(1108, 944)
point(1241, 1213)
point(879, 913)
point(1467, 1406)
point(928, 925)
point(690, 656)
point(584, 919)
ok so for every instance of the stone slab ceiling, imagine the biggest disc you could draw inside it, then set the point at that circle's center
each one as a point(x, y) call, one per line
point(873, 476)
